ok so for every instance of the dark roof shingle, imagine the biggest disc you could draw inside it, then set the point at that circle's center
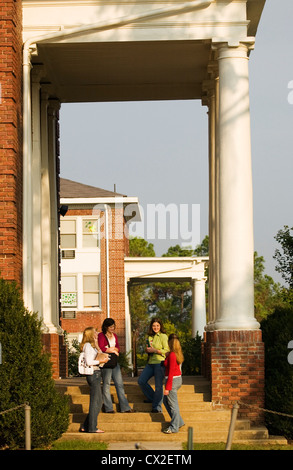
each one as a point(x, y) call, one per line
point(73, 189)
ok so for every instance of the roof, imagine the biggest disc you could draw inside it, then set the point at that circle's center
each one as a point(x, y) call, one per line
point(73, 189)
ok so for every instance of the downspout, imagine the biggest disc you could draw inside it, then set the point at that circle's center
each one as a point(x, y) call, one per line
point(27, 145)
point(107, 260)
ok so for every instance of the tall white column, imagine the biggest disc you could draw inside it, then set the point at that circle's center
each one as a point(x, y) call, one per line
point(46, 220)
point(236, 263)
point(198, 307)
point(37, 304)
point(53, 108)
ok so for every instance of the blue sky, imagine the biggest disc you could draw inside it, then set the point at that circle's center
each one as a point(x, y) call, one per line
point(158, 151)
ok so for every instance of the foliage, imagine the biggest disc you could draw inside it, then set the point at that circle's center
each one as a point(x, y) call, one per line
point(277, 333)
point(26, 376)
point(284, 258)
point(267, 293)
point(140, 247)
point(192, 356)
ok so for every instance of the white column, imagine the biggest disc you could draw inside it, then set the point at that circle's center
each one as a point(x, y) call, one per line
point(54, 106)
point(198, 307)
point(46, 219)
point(236, 264)
point(128, 344)
point(37, 300)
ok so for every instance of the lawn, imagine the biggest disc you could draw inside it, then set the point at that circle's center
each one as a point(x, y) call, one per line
point(81, 445)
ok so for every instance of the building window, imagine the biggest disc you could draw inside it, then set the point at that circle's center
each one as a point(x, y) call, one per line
point(69, 291)
point(68, 233)
point(91, 290)
point(90, 233)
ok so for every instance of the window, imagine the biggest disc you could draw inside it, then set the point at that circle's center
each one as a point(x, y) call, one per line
point(68, 233)
point(68, 291)
point(90, 232)
point(90, 291)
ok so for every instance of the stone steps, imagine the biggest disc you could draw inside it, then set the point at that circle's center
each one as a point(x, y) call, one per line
point(209, 425)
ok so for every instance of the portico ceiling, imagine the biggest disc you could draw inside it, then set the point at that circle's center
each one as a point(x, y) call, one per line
point(125, 71)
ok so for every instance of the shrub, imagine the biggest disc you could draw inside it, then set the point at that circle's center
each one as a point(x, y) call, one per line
point(26, 376)
point(192, 356)
point(277, 332)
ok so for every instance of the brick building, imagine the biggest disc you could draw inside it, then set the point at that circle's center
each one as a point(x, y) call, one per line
point(92, 258)
point(54, 52)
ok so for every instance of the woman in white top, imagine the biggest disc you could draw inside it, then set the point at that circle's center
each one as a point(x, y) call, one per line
point(93, 357)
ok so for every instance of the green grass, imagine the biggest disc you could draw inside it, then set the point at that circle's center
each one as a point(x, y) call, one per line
point(222, 446)
point(83, 445)
point(79, 445)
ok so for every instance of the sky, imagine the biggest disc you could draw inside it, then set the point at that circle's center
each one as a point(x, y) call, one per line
point(158, 151)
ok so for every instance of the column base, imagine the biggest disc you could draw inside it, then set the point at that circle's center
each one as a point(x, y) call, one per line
point(233, 361)
point(229, 325)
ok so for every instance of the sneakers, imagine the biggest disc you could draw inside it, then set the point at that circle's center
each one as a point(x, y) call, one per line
point(167, 431)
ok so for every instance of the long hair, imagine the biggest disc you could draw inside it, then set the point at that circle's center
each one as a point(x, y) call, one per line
point(88, 337)
point(106, 323)
point(175, 346)
point(151, 331)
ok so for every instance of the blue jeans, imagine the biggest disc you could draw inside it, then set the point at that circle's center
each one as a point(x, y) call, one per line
point(156, 397)
point(116, 375)
point(94, 381)
point(172, 406)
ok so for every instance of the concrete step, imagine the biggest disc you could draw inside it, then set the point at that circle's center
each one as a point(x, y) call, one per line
point(158, 426)
point(202, 436)
point(209, 425)
point(196, 416)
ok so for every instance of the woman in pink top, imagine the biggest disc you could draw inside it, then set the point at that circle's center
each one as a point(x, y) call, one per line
point(173, 383)
point(108, 342)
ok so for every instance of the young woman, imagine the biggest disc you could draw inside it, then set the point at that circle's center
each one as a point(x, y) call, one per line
point(93, 357)
point(108, 342)
point(157, 347)
point(173, 383)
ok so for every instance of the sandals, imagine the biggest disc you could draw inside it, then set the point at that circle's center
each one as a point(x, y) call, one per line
point(98, 431)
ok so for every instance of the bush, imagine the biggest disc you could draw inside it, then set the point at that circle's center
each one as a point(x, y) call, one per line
point(277, 332)
point(26, 376)
point(192, 356)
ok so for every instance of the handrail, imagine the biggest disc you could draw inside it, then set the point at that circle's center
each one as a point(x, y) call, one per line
point(27, 422)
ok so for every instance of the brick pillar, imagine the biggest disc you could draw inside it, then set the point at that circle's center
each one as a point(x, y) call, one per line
point(233, 361)
point(11, 140)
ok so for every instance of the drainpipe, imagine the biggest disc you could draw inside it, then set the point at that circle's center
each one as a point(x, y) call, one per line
point(107, 259)
point(27, 145)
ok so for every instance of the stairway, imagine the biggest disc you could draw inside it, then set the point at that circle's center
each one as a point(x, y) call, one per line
point(197, 411)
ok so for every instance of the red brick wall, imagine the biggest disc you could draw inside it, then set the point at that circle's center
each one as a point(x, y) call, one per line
point(118, 247)
point(234, 364)
point(11, 140)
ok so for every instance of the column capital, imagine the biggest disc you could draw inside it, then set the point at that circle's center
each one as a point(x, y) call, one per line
point(232, 46)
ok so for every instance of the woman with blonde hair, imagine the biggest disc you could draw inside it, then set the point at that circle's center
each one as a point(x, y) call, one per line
point(173, 376)
point(93, 357)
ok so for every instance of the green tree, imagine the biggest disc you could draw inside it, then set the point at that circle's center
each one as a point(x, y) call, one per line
point(267, 293)
point(140, 247)
point(26, 376)
point(277, 332)
point(284, 256)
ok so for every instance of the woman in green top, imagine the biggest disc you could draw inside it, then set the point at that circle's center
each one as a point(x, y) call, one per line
point(157, 347)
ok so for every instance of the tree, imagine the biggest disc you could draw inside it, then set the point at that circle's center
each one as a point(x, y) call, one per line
point(284, 258)
point(140, 247)
point(267, 293)
point(26, 376)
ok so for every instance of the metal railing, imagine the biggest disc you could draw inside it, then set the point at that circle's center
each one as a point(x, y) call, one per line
point(27, 422)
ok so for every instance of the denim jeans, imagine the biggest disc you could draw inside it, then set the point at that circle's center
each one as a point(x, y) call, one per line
point(156, 397)
point(116, 375)
point(94, 381)
point(172, 406)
